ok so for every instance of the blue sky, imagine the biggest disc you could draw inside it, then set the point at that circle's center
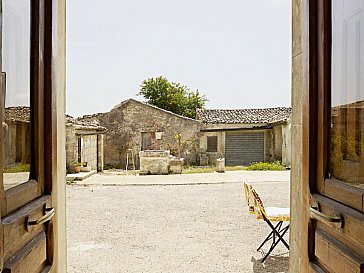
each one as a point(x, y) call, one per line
point(236, 52)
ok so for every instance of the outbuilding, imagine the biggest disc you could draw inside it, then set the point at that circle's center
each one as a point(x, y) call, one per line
point(244, 136)
point(85, 143)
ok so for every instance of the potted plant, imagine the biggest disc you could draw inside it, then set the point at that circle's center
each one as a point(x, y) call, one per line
point(84, 167)
point(77, 167)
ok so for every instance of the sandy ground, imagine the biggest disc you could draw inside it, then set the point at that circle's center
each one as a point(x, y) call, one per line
point(14, 179)
point(172, 224)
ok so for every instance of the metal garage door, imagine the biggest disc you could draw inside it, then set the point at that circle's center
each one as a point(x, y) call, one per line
point(244, 148)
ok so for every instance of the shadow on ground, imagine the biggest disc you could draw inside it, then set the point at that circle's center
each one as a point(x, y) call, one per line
point(273, 264)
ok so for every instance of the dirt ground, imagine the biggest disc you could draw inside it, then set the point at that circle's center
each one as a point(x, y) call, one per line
point(170, 226)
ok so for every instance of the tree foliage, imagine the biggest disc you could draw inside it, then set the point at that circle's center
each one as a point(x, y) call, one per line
point(172, 96)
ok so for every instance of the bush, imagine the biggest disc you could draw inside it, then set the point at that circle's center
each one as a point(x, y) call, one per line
point(17, 168)
point(267, 166)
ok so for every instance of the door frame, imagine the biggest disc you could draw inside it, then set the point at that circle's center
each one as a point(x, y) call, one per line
point(305, 48)
point(311, 105)
point(311, 53)
point(55, 136)
point(59, 139)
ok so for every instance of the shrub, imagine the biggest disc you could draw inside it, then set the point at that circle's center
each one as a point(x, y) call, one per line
point(209, 169)
point(17, 168)
point(267, 166)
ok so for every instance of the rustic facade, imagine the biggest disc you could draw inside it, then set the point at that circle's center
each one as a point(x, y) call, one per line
point(134, 126)
point(17, 135)
point(84, 143)
point(246, 135)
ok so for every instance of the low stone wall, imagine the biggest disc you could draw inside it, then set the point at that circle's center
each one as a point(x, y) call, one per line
point(154, 162)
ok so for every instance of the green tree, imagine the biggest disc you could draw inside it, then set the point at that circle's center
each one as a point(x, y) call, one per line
point(172, 96)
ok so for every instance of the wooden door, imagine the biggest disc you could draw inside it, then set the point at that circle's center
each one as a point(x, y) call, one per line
point(28, 115)
point(334, 132)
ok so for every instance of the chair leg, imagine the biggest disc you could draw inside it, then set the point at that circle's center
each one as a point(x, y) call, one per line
point(278, 234)
point(275, 243)
point(270, 235)
point(277, 231)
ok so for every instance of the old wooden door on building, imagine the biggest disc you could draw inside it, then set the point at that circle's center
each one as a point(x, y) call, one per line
point(26, 187)
point(334, 135)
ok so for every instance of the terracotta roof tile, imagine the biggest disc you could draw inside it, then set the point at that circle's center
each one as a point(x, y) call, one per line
point(85, 125)
point(18, 113)
point(22, 114)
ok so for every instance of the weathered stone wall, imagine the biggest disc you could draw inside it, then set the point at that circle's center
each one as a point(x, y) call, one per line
point(154, 162)
point(126, 123)
point(91, 145)
point(17, 143)
point(268, 144)
point(278, 142)
point(100, 154)
point(212, 156)
point(71, 144)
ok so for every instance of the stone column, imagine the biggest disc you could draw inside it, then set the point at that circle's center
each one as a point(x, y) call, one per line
point(100, 153)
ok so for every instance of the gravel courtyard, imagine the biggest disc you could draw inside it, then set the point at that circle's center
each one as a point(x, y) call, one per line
point(182, 223)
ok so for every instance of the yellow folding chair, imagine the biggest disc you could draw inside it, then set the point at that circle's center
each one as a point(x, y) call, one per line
point(269, 215)
point(249, 198)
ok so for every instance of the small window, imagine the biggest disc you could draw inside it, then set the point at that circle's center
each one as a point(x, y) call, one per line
point(212, 144)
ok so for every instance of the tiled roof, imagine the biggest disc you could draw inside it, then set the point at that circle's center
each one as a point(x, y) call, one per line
point(84, 125)
point(22, 114)
point(17, 113)
point(244, 116)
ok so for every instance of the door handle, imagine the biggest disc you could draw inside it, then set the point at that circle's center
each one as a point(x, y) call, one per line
point(333, 221)
point(49, 213)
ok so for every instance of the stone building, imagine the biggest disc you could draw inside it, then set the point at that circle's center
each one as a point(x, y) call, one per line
point(16, 135)
point(84, 143)
point(134, 126)
point(84, 140)
point(246, 135)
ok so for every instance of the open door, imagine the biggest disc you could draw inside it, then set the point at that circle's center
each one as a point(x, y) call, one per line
point(333, 130)
point(29, 175)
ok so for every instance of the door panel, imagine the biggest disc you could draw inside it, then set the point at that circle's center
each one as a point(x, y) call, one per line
point(20, 195)
point(344, 193)
point(336, 256)
point(351, 230)
point(31, 256)
point(15, 226)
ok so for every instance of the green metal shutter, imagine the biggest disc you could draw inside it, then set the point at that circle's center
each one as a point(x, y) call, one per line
point(244, 148)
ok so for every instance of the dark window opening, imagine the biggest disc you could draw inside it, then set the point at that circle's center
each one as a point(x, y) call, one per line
point(212, 144)
point(79, 149)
